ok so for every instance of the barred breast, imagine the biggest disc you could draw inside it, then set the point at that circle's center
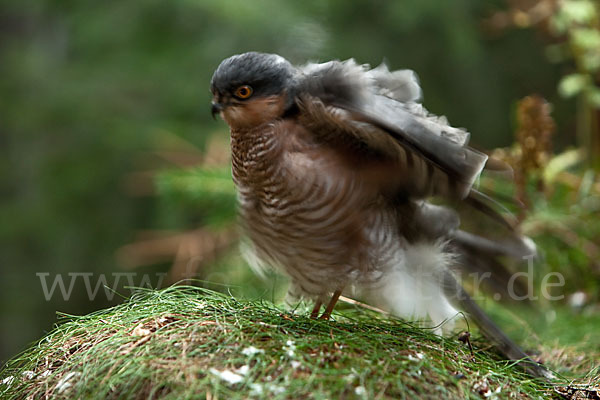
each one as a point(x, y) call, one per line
point(305, 211)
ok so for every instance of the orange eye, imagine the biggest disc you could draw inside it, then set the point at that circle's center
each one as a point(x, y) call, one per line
point(243, 92)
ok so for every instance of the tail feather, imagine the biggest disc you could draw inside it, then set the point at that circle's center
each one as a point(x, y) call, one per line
point(485, 256)
point(485, 204)
point(516, 247)
point(505, 345)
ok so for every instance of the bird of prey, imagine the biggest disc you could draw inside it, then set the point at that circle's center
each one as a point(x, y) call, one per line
point(334, 165)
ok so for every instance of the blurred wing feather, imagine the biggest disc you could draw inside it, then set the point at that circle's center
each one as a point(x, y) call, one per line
point(376, 105)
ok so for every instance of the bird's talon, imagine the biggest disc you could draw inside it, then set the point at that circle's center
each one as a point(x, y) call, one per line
point(325, 317)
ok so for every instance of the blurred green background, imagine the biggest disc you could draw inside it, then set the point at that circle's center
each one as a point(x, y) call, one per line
point(104, 107)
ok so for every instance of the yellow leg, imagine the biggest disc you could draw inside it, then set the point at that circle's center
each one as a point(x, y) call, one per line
point(331, 305)
point(315, 311)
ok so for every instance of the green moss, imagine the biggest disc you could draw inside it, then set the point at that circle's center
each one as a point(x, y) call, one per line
point(186, 342)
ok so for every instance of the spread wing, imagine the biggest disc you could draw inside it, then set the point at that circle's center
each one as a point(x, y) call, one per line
point(378, 103)
point(376, 110)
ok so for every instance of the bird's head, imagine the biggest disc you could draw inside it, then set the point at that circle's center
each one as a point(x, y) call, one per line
point(252, 88)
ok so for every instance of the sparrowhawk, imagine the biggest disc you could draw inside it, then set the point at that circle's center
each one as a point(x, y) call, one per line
point(334, 165)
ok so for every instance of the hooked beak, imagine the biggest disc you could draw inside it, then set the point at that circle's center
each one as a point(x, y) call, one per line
point(215, 109)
